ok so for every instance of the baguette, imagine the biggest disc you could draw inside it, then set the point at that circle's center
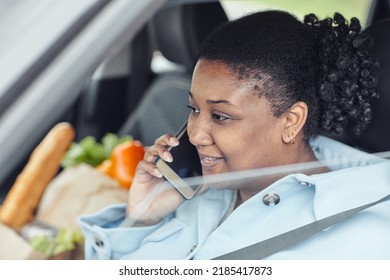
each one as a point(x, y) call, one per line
point(23, 198)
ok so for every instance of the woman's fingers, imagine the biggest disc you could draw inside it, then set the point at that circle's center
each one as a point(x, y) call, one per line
point(146, 167)
point(167, 140)
point(150, 197)
point(160, 148)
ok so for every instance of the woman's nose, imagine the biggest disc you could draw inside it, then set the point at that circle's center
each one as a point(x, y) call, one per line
point(199, 132)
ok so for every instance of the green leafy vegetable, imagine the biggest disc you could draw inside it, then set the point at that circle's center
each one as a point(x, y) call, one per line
point(65, 240)
point(91, 152)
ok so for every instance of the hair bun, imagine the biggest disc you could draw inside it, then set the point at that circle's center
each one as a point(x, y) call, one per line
point(349, 75)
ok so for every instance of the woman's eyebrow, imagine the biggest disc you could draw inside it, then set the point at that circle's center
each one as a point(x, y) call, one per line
point(218, 101)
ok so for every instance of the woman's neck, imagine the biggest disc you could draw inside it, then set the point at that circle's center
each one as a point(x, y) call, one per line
point(252, 188)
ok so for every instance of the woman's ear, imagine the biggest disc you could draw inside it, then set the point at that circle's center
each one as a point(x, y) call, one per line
point(295, 119)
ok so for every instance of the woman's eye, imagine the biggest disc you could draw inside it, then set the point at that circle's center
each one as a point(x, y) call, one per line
point(220, 117)
point(193, 109)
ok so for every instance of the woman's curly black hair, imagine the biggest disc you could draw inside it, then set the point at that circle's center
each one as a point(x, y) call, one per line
point(324, 63)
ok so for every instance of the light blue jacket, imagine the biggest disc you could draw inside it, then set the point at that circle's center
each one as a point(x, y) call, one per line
point(195, 230)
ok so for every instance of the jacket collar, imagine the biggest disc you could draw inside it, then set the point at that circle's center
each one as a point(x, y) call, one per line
point(358, 178)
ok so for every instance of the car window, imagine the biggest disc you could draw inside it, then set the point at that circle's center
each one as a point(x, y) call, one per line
point(29, 28)
point(53, 89)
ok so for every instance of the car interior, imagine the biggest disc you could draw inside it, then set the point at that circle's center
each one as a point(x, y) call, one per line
point(147, 103)
point(142, 90)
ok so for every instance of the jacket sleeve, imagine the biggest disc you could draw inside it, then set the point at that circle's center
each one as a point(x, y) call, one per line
point(106, 237)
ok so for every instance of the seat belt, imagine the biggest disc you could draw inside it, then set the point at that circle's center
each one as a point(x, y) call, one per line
point(272, 245)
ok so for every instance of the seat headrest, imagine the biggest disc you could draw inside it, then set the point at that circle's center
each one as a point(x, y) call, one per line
point(376, 137)
point(179, 30)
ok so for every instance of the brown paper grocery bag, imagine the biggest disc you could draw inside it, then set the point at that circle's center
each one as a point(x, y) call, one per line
point(75, 191)
point(14, 247)
point(78, 191)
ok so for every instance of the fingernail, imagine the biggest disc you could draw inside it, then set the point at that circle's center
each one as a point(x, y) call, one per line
point(173, 141)
point(157, 172)
point(167, 156)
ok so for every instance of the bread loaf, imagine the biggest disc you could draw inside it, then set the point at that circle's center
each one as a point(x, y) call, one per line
point(21, 201)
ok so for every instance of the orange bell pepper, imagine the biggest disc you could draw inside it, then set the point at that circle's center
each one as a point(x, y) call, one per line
point(125, 158)
point(105, 167)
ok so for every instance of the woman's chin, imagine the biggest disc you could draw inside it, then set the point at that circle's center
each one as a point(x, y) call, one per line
point(216, 170)
point(215, 166)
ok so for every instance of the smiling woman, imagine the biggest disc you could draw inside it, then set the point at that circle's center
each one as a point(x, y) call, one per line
point(228, 119)
point(264, 87)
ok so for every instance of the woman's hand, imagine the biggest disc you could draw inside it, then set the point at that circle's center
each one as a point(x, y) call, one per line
point(151, 198)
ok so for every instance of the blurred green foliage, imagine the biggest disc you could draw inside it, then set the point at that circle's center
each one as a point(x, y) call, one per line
point(322, 8)
point(92, 152)
point(65, 240)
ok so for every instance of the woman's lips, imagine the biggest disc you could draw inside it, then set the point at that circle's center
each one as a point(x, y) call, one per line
point(209, 162)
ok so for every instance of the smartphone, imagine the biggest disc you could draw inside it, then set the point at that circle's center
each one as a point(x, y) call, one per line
point(185, 164)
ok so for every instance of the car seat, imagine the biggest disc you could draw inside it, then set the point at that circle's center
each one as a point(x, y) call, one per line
point(177, 32)
point(376, 138)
